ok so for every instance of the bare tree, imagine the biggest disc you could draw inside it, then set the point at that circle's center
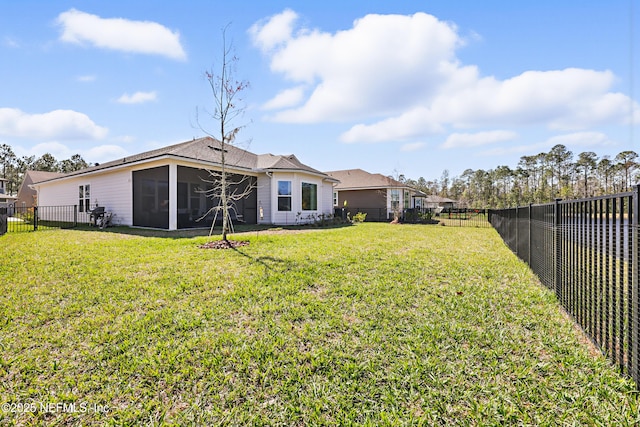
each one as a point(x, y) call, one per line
point(227, 108)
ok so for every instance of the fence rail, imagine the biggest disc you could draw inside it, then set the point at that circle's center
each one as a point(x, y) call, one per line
point(586, 251)
point(458, 217)
point(18, 219)
point(463, 217)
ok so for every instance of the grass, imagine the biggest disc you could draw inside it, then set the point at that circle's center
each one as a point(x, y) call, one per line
point(373, 324)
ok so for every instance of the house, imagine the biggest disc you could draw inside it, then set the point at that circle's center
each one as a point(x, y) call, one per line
point(26, 194)
point(5, 199)
point(380, 197)
point(440, 203)
point(167, 188)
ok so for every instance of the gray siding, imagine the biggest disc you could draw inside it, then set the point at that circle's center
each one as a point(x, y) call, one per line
point(264, 199)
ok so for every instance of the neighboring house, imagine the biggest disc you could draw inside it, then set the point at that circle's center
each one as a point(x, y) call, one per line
point(165, 188)
point(27, 196)
point(5, 199)
point(437, 202)
point(380, 197)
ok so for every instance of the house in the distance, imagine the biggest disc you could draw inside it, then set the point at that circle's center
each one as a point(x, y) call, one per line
point(5, 199)
point(381, 197)
point(167, 188)
point(439, 203)
point(27, 196)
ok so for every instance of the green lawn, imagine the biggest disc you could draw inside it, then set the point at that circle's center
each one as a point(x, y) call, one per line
point(374, 324)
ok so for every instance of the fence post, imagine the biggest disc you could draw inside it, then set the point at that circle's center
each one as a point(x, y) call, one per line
point(75, 216)
point(4, 221)
point(557, 276)
point(35, 218)
point(517, 234)
point(529, 260)
point(635, 329)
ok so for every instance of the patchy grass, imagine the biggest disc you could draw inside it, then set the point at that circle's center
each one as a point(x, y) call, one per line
point(373, 324)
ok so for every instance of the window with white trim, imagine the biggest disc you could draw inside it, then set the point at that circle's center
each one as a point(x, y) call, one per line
point(309, 196)
point(395, 199)
point(84, 198)
point(335, 198)
point(284, 196)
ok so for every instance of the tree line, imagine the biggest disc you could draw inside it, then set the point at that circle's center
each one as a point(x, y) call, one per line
point(13, 168)
point(539, 178)
point(536, 179)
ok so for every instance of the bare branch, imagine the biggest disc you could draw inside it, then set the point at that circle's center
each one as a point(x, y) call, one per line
point(227, 106)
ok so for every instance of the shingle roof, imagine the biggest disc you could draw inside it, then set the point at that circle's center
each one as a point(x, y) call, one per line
point(279, 162)
point(39, 176)
point(360, 179)
point(439, 199)
point(208, 150)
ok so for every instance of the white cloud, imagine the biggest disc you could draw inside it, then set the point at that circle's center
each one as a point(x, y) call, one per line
point(413, 123)
point(581, 139)
point(556, 98)
point(54, 125)
point(56, 149)
point(576, 140)
point(10, 42)
point(413, 146)
point(467, 140)
point(86, 78)
point(120, 34)
point(286, 98)
point(126, 138)
point(137, 98)
point(382, 65)
point(273, 31)
point(104, 153)
point(396, 77)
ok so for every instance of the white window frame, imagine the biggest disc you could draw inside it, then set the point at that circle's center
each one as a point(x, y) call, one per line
point(285, 195)
point(315, 193)
point(84, 198)
point(394, 198)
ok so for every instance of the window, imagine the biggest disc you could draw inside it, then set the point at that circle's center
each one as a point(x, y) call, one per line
point(309, 197)
point(84, 198)
point(335, 198)
point(406, 200)
point(395, 199)
point(284, 195)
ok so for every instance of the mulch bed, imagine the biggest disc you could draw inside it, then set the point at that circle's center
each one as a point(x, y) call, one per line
point(224, 244)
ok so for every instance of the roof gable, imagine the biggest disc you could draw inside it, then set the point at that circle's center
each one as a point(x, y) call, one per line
point(208, 151)
point(272, 162)
point(361, 179)
point(39, 176)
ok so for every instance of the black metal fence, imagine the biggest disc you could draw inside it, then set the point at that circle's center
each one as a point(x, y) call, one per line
point(17, 219)
point(457, 217)
point(586, 251)
point(3, 220)
point(463, 217)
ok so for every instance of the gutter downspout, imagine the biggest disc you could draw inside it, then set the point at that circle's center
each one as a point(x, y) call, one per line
point(270, 175)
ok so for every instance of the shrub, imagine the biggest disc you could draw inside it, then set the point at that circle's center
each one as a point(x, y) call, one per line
point(426, 216)
point(360, 217)
point(26, 216)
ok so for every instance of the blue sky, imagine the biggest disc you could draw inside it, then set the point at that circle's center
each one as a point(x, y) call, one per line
point(402, 87)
